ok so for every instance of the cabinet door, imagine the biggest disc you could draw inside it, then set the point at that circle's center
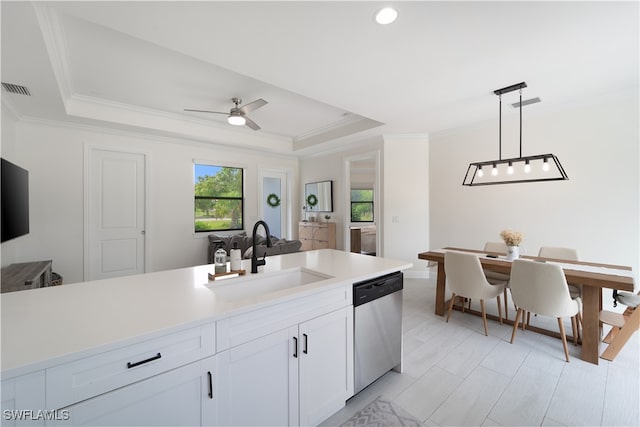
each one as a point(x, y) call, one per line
point(326, 365)
point(305, 232)
point(322, 233)
point(182, 397)
point(23, 401)
point(258, 382)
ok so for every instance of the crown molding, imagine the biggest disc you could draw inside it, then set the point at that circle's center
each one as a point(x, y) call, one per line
point(147, 136)
point(55, 43)
point(348, 125)
point(10, 108)
point(176, 124)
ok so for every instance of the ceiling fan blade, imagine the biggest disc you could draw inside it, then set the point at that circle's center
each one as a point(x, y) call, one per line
point(253, 125)
point(253, 105)
point(206, 111)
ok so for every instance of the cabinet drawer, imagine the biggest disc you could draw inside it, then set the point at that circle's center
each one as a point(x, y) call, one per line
point(306, 232)
point(75, 381)
point(322, 234)
point(243, 328)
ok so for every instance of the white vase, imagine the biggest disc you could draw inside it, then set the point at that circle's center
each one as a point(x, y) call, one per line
point(513, 252)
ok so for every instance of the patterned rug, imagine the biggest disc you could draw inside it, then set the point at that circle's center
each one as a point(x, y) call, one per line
point(382, 413)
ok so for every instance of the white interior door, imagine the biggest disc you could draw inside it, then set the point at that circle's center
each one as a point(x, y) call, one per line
point(116, 214)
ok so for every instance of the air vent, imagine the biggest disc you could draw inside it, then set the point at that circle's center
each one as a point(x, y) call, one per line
point(526, 102)
point(20, 90)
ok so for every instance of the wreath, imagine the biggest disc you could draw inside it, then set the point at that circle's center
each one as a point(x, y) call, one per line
point(312, 200)
point(273, 200)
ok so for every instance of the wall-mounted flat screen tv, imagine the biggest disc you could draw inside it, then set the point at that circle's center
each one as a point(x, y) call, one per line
point(15, 200)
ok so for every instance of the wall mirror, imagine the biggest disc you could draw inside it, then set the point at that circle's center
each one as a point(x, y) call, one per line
point(319, 196)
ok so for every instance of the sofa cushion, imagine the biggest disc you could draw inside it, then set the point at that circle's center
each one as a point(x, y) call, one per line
point(229, 240)
point(278, 247)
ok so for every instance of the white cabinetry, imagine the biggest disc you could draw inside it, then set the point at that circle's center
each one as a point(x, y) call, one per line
point(23, 400)
point(185, 396)
point(289, 363)
point(326, 365)
point(259, 379)
point(295, 376)
point(163, 381)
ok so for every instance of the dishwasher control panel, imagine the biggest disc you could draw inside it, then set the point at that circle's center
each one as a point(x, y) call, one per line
point(369, 290)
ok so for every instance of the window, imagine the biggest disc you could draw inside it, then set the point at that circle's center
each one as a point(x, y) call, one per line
point(218, 198)
point(362, 205)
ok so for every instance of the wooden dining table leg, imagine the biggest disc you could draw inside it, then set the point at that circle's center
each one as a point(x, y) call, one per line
point(440, 288)
point(591, 300)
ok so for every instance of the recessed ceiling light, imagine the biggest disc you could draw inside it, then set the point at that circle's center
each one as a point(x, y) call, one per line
point(386, 15)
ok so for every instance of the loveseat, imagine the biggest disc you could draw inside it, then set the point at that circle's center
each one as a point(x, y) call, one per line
point(245, 244)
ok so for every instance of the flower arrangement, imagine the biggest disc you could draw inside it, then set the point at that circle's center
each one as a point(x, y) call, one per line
point(511, 238)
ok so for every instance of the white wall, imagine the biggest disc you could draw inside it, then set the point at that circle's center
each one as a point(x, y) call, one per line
point(331, 167)
point(596, 211)
point(54, 156)
point(406, 198)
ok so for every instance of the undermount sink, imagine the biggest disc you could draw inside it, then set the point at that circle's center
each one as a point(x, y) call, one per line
point(251, 286)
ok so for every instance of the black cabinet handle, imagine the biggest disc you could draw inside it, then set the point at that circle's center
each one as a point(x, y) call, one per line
point(306, 339)
point(295, 347)
point(142, 362)
point(210, 385)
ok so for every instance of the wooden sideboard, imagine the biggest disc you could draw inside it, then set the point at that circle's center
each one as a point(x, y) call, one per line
point(26, 275)
point(317, 235)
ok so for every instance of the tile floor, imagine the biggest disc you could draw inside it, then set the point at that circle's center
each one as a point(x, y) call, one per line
point(454, 375)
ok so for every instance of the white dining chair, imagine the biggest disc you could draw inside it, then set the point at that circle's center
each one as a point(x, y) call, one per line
point(494, 277)
point(568, 254)
point(467, 280)
point(541, 288)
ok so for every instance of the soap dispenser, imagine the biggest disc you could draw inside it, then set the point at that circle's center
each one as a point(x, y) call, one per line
point(236, 261)
point(220, 259)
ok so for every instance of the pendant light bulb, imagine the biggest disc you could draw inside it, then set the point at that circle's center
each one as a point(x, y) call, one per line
point(494, 170)
point(527, 166)
point(480, 173)
point(510, 168)
point(545, 165)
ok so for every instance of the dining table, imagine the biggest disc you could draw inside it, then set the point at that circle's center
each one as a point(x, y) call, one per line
point(594, 277)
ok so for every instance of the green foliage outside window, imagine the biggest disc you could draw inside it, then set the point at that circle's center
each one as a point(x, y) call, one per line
point(362, 205)
point(218, 198)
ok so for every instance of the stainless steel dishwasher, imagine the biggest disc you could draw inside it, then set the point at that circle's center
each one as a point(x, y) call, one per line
point(377, 323)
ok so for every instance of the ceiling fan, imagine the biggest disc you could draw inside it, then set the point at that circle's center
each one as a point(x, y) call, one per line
point(237, 115)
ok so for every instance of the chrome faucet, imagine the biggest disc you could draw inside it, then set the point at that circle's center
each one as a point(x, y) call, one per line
point(255, 262)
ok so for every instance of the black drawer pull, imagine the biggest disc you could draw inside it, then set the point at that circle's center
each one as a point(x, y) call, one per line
point(142, 362)
point(210, 385)
point(295, 347)
point(306, 339)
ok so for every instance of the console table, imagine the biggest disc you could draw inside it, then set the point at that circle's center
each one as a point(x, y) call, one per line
point(26, 275)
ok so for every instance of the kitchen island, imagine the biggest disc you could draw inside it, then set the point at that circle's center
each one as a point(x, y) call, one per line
point(187, 350)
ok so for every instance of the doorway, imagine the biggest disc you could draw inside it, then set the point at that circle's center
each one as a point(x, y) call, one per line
point(115, 214)
point(363, 233)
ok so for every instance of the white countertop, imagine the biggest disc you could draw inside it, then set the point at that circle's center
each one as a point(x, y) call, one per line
point(46, 326)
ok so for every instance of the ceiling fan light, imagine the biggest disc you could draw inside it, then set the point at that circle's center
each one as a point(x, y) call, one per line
point(236, 120)
point(386, 15)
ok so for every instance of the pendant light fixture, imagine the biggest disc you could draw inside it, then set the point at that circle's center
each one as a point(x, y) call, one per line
point(539, 167)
